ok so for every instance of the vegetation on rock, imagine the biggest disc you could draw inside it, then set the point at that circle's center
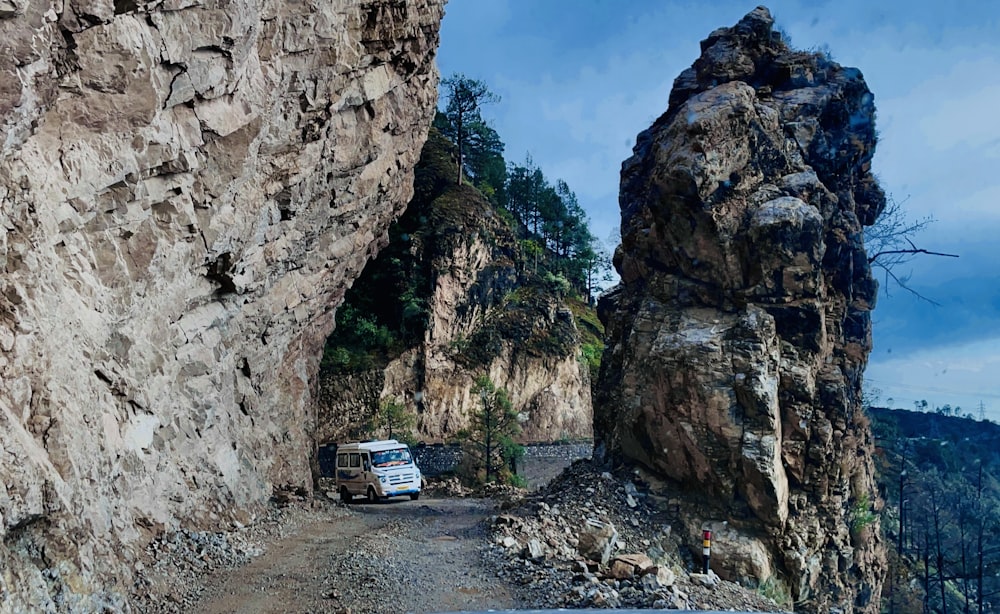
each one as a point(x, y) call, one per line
point(547, 219)
point(498, 268)
point(548, 253)
point(462, 113)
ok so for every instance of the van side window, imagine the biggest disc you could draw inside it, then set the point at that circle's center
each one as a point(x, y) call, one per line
point(342, 459)
point(355, 459)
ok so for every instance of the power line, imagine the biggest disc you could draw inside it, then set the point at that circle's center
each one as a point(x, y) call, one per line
point(972, 393)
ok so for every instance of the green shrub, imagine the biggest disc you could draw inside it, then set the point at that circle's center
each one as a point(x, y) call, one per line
point(774, 589)
point(393, 421)
point(488, 449)
point(557, 284)
point(337, 358)
point(591, 354)
point(862, 515)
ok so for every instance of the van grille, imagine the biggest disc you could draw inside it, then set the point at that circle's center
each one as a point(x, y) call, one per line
point(400, 478)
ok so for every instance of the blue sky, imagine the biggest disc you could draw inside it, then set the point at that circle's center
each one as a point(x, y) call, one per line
point(580, 78)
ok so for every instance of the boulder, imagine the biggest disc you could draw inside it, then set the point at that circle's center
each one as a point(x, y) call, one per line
point(639, 561)
point(738, 337)
point(657, 577)
point(534, 551)
point(620, 570)
point(624, 566)
point(596, 540)
point(708, 580)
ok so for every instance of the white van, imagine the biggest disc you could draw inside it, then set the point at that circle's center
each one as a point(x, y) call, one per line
point(376, 469)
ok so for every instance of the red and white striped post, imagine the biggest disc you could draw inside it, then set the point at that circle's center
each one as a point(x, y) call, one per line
point(706, 549)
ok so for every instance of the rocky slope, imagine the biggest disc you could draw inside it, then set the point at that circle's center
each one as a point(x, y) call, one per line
point(738, 337)
point(592, 539)
point(186, 191)
point(480, 311)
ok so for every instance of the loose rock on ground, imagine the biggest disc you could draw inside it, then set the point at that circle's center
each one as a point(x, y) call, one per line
point(591, 539)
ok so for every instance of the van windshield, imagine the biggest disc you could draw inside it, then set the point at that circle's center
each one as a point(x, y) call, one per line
point(388, 458)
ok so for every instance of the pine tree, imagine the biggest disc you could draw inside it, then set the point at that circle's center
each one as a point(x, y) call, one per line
point(465, 96)
point(489, 444)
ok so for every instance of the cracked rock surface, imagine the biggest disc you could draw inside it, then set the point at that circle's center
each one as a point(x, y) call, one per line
point(187, 188)
point(738, 338)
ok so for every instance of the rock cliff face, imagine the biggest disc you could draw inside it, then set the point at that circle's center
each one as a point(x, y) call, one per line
point(738, 337)
point(187, 188)
point(483, 316)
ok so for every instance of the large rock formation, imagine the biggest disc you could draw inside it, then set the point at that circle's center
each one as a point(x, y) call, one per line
point(453, 255)
point(187, 188)
point(739, 334)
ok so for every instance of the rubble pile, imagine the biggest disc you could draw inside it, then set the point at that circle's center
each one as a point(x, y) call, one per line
point(445, 487)
point(593, 539)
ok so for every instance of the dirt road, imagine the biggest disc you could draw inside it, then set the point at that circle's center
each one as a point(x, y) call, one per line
point(397, 556)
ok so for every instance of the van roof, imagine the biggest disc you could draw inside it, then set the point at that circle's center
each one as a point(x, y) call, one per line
point(372, 446)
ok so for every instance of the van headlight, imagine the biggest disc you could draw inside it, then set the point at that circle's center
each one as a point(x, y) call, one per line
point(381, 478)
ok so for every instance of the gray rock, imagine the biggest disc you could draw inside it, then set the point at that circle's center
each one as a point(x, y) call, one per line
point(534, 551)
point(662, 577)
point(597, 540)
point(185, 195)
point(708, 580)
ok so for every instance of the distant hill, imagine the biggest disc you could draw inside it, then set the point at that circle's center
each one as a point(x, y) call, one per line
point(948, 443)
point(944, 470)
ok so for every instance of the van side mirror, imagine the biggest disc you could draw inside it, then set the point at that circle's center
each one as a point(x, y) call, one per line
point(366, 465)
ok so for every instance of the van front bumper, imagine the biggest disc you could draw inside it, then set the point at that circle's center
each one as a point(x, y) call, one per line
point(398, 493)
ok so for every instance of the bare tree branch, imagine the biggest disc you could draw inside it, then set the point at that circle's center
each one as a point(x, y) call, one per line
point(915, 250)
point(890, 241)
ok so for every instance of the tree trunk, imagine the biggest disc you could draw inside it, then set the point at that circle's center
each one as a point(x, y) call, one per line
point(979, 540)
point(902, 506)
point(927, 569)
point(460, 137)
point(938, 554)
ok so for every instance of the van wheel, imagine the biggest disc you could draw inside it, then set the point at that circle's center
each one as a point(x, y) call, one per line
point(345, 496)
point(374, 498)
point(414, 496)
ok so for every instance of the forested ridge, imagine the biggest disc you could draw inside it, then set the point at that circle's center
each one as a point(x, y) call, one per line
point(938, 475)
point(461, 180)
point(547, 218)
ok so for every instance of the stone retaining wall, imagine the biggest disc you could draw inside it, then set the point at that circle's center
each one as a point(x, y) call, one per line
point(437, 459)
point(541, 461)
